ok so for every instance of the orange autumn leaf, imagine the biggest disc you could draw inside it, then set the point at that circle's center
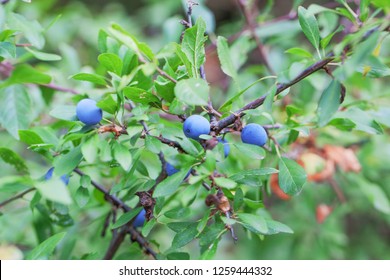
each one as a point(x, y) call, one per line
point(322, 212)
point(345, 158)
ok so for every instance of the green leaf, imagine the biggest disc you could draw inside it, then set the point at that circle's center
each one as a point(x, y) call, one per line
point(210, 252)
point(64, 112)
point(15, 109)
point(342, 124)
point(275, 227)
point(148, 226)
point(225, 183)
point(14, 184)
point(46, 248)
point(165, 89)
point(24, 73)
point(325, 41)
point(193, 45)
point(142, 96)
point(90, 149)
point(225, 58)
point(185, 61)
point(292, 176)
point(82, 196)
point(376, 196)
point(13, 159)
point(269, 100)
point(254, 223)
point(141, 49)
point(329, 103)
point(32, 30)
point(44, 56)
point(152, 144)
point(65, 163)
point(169, 185)
point(299, 52)
point(7, 50)
point(251, 151)
point(178, 213)
point(252, 177)
point(92, 78)
point(127, 39)
point(362, 120)
point(108, 104)
point(203, 222)
point(123, 156)
point(376, 68)
point(309, 26)
point(126, 217)
point(238, 199)
point(192, 91)
point(253, 203)
point(178, 256)
point(359, 57)
point(55, 190)
point(111, 62)
point(30, 137)
point(226, 106)
point(185, 236)
point(102, 41)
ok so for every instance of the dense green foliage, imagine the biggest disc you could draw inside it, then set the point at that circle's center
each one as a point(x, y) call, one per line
point(314, 79)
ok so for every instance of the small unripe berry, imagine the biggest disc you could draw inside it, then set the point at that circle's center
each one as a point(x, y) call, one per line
point(196, 125)
point(88, 112)
point(254, 134)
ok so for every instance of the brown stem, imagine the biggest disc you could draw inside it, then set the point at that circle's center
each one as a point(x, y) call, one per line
point(135, 235)
point(212, 112)
point(251, 25)
point(60, 88)
point(166, 75)
point(109, 197)
point(20, 195)
point(159, 70)
point(280, 87)
point(170, 143)
point(337, 190)
point(116, 243)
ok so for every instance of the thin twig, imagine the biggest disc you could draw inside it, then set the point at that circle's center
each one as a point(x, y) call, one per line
point(188, 24)
point(116, 243)
point(135, 235)
point(20, 195)
point(111, 198)
point(335, 186)
point(159, 70)
point(251, 24)
point(60, 88)
point(280, 87)
point(141, 241)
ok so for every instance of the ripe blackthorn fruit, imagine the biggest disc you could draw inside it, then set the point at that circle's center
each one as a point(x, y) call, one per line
point(88, 112)
point(196, 125)
point(254, 134)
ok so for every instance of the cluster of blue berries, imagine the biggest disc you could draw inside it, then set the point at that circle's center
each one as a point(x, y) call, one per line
point(196, 125)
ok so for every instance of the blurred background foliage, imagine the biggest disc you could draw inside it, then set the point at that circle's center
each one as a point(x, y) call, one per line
point(357, 228)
